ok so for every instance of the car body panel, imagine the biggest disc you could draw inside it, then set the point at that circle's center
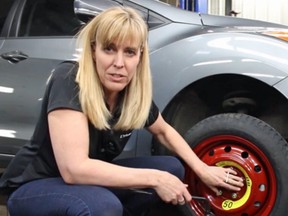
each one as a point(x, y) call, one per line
point(24, 92)
point(1, 43)
point(223, 53)
point(282, 87)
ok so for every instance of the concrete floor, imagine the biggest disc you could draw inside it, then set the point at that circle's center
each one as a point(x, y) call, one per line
point(3, 210)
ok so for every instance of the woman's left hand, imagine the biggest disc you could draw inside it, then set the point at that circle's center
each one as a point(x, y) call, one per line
point(215, 177)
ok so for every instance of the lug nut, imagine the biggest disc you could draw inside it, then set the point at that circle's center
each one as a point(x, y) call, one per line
point(234, 195)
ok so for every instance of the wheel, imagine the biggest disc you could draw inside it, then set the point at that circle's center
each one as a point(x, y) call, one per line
point(255, 150)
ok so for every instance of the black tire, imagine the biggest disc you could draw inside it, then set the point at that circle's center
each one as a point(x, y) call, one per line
point(238, 139)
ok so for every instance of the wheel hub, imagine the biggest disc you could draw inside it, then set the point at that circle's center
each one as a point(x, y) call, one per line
point(250, 163)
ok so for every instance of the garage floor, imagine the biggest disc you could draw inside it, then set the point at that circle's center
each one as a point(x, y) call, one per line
point(3, 210)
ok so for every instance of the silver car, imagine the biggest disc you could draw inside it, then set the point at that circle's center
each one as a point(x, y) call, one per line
point(220, 81)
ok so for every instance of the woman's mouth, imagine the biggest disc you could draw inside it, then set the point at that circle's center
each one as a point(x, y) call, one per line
point(116, 77)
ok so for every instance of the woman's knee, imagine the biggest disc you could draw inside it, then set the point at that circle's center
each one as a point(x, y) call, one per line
point(170, 164)
point(174, 166)
point(93, 200)
point(105, 205)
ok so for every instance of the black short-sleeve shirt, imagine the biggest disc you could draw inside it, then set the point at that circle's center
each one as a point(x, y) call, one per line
point(36, 160)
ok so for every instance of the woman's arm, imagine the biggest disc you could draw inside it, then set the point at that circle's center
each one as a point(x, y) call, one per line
point(70, 141)
point(212, 176)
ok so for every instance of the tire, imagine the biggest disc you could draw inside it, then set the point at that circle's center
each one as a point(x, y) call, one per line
point(256, 151)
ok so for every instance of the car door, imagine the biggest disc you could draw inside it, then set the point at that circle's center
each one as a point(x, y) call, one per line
point(40, 35)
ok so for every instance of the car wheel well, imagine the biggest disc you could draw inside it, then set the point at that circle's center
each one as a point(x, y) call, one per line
point(227, 93)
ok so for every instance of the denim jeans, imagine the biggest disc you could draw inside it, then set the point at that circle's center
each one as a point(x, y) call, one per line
point(52, 196)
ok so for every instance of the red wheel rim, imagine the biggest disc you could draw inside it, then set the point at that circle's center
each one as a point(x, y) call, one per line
point(258, 195)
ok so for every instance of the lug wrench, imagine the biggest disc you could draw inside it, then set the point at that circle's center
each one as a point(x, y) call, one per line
point(185, 209)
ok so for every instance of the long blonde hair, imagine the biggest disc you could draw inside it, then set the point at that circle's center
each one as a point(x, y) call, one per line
point(115, 24)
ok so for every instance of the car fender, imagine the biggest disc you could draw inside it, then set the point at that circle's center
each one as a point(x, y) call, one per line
point(282, 87)
point(183, 62)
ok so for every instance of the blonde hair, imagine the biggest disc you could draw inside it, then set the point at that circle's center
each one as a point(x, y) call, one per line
point(116, 24)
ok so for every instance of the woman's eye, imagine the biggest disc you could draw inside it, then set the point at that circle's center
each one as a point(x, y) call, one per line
point(108, 49)
point(131, 52)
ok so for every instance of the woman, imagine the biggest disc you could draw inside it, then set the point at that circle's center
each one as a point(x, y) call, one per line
point(89, 111)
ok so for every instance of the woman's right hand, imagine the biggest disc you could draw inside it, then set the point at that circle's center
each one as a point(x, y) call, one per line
point(171, 189)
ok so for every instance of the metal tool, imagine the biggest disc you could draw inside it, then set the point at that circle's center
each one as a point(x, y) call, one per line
point(186, 209)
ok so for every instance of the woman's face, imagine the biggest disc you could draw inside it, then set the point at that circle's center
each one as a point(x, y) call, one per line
point(116, 65)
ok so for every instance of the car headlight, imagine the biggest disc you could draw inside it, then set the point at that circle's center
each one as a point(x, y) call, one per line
point(278, 34)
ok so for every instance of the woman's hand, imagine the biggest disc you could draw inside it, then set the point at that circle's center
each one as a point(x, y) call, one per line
point(171, 189)
point(215, 177)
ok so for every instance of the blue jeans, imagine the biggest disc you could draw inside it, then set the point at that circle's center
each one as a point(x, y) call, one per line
point(52, 196)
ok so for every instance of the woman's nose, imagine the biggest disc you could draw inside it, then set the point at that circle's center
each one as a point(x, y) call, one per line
point(119, 60)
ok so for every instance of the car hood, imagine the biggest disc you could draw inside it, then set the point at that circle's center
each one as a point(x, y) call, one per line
point(213, 20)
